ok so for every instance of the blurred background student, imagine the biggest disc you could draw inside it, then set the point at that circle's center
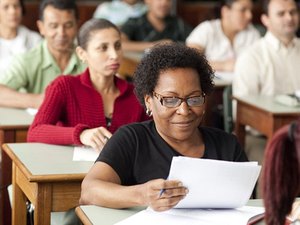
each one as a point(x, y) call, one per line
point(281, 175)
point(14, 37)
point(156, 25)
point(86, 109)
point(32, 71)
point(119, 11)
point(223, 40)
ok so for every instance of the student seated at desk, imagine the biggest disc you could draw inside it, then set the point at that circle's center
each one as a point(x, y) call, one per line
point(14, 37)
point(223, 40)
point(34, 70)
point(172, 82)
point(86, 109)
point(281, 174)
point(157, 25)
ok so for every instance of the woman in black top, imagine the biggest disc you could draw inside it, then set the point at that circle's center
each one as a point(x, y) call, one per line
point(172, 82)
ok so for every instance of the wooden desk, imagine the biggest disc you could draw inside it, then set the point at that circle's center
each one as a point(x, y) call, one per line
point(90, 214)
point(47, 176)
point(13, 128)
point(263, 114)
point(129, 64)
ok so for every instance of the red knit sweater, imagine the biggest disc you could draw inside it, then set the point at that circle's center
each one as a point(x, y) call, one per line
point(72, 104)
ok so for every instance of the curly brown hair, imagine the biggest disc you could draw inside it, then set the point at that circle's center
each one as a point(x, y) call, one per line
point(164, 57)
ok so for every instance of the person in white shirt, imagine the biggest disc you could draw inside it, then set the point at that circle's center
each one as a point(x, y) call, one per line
point(222, 40)
point(271, 66)
point(119, 11)
point(14, 38)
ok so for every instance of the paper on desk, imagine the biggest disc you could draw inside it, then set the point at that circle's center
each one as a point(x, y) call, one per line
point(31, 111)
point(238, 216)
point(214, 183)
point(85, 154)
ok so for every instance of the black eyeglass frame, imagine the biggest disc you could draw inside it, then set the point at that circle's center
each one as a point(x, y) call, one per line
point(161, 99)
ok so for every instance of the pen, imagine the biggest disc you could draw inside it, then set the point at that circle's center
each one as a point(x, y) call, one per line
point(161, 192)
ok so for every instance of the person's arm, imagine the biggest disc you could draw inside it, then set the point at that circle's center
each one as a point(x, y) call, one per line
point(247, 73)
point(47, 127)
point(225, 65)
point(102, 186)
point(12, 98)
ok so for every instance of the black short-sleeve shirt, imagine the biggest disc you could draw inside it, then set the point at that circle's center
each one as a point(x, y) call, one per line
point(138, 153)
point(140, 29)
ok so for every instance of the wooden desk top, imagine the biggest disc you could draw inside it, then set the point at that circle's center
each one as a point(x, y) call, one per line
point(267, 103)
point(43, 162)
point(90, 214)
point(14, 118)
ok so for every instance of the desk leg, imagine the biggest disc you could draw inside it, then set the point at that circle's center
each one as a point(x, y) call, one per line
point(240, 133)
point(19, 202)
point(6, 136)
point(43, 204)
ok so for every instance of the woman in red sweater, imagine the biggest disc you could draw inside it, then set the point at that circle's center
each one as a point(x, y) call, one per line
point(86, 109)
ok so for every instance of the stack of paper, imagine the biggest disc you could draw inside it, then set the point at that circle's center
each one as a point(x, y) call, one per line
point(85, 154)
point(240, 216)
point(218, 192)
point(214, 183)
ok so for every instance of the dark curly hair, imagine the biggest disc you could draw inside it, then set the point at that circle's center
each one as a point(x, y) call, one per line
point(164, 57)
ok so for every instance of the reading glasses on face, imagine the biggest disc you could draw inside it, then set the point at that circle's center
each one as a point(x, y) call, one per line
point(172, 102)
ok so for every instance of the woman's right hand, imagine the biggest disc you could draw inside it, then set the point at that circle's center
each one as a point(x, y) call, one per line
point(162, 194)
point(95, 137)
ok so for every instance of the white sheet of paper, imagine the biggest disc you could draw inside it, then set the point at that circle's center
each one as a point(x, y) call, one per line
point(85, 154)
point(32, 111)
point(214, 183)
point(239, 216)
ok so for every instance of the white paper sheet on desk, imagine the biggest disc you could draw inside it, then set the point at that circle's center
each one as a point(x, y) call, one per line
point(85, 154)
point(214, 183)
point(238, 216)
point(32, 111)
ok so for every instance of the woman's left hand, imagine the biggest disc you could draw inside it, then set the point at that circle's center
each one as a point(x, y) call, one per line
point(162, 194)
point(95, 137)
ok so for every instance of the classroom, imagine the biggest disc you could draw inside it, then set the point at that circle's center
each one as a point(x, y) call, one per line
point(149, 112)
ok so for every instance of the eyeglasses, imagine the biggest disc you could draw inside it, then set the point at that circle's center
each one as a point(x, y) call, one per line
point(172, 102)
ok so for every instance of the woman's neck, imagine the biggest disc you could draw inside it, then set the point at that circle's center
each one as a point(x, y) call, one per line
point(7, 33)
point(103, 84)
point(192, 147)
point(228, 31)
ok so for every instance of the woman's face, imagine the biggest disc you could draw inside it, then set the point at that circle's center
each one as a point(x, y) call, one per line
point(104, 52)
point(240, 14)
point(179, 123)
point(10, 13)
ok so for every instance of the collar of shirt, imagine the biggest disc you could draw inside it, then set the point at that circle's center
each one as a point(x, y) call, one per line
point(49, 61)
point(277, 44)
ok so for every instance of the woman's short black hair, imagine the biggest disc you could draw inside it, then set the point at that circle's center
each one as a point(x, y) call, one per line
point(163, 57)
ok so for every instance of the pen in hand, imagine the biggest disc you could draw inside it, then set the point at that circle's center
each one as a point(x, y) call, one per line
point(161, 192)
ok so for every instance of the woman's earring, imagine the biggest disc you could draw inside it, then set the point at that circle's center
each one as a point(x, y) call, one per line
point(149, 112)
